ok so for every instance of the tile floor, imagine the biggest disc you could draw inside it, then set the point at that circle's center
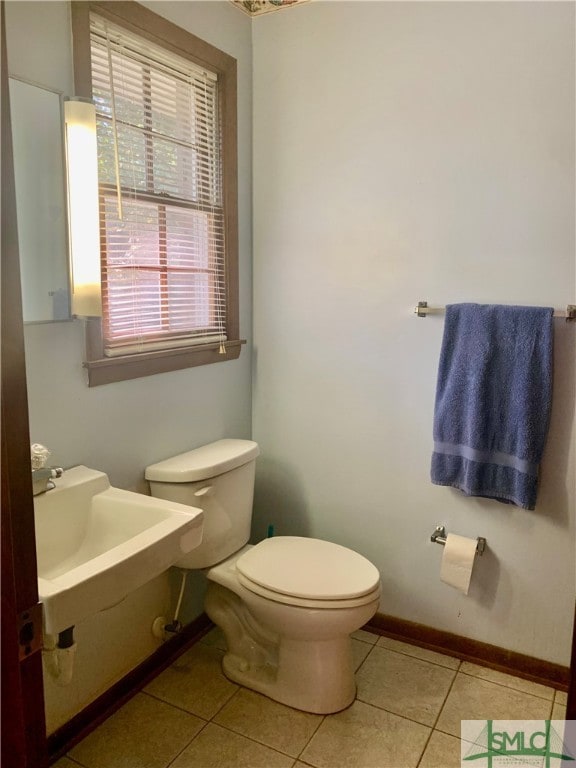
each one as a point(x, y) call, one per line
point(407, 715)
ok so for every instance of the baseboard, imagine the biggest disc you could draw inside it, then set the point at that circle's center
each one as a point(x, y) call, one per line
point(63, 739)
point(501, 659)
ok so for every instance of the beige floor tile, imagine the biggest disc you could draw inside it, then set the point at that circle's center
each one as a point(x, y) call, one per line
point(216, 747)
point(144, 733)
point(302, 764)
point(404, 685)
point(366, 737)
point(215, 638)
point(558, 711)
point(359, 652)
point(65, 763)
point(442, 751)
point(366, 637)
point(473, 699)
point(493, 676)
point(561, 697)
point(419, 653)
point(268, 722)
point(195, 682)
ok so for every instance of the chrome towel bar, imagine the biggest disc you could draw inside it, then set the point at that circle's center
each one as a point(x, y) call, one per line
point(422, 309)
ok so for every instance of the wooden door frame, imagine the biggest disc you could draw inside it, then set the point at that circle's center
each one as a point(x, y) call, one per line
point(23, 720)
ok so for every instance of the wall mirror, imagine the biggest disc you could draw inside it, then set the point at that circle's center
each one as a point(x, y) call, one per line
point(37, 131)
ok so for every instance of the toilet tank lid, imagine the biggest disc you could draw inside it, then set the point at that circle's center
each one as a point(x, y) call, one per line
point(204, 462)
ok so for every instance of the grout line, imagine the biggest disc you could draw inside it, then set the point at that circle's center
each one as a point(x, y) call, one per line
point(314, 732)
point(184, 748)
point(366, 642)
point(391, 712)
point(465, 658)
point(262, 743)
point(509, 687)
point(440, 709)
point(448, 692)
point(181, 708)
point(254, 741)
point(220, 725)
point(236, 693)
point(187, 711)
point(468, 674)
point(419, 658)
point(221, 707)
point(447, 733)
point(412, 720)
point(364, 660)
point(425, 747)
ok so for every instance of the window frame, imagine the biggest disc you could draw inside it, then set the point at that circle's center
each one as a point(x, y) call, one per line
point(147, 24)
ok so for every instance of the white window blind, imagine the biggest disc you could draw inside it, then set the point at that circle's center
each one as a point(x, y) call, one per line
point(161, 207)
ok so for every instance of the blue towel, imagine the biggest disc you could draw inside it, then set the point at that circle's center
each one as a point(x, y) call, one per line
point(493, 401)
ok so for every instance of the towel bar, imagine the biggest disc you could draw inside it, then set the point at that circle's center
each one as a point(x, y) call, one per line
point(423, 309)
point(439, 537)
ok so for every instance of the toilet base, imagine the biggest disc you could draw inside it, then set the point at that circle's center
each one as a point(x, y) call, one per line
point(310, 673)
point(313, 677)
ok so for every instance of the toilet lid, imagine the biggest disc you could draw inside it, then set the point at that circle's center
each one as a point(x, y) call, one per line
point(308, 568)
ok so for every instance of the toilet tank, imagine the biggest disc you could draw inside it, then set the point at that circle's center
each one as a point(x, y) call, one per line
point(218, 478)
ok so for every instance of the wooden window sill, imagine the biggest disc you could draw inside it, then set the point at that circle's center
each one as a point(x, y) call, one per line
point(110, 369)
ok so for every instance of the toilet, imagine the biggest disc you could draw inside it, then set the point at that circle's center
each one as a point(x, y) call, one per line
point(288, 605)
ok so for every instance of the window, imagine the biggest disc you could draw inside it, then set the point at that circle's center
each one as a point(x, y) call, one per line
point(166, 125)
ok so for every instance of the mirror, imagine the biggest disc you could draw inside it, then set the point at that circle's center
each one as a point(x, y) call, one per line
point(37, 134)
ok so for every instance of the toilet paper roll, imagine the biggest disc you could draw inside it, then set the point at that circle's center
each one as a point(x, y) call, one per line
point(458, 561)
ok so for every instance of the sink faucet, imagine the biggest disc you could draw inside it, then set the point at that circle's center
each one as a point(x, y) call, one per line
point(42, 479)
point(42, 476)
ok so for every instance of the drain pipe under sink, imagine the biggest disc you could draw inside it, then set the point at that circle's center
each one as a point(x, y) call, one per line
point(59, 656)
point(175, 626)
point(160, 629)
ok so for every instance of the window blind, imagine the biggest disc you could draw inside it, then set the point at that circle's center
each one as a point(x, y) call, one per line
point(161, 202)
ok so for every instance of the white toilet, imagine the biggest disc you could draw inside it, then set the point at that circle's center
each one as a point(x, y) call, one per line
point(287, 605)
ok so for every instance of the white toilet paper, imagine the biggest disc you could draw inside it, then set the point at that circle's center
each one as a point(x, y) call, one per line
point(458, 561)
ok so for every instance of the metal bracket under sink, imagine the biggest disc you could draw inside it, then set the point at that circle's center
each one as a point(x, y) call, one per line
point(29, 629)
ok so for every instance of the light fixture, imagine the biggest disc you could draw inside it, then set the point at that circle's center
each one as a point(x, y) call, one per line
point(83, 214)
point(256, 7)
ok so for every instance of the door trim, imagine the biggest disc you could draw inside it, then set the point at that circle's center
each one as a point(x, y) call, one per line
point(23, 723)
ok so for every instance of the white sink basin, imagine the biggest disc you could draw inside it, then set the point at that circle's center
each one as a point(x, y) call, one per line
point(95, 544)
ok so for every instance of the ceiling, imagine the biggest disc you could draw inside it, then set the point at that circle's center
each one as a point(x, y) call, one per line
point(258, 7)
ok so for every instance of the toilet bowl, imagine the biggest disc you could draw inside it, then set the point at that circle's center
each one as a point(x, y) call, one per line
point(287, 605)
point(303, 658)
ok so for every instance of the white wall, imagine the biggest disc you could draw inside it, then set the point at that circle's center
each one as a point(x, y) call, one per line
point(121, 428)
point(407, 151)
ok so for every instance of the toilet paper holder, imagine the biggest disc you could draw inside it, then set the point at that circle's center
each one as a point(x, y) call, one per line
point(439, 537)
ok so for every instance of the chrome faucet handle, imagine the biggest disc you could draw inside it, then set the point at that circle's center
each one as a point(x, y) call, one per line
point(43, 479)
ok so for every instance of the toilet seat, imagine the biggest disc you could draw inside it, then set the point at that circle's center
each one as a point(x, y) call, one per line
point(308, 572)
point(300, 602)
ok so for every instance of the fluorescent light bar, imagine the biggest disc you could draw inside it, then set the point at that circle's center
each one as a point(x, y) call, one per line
point(83, 214)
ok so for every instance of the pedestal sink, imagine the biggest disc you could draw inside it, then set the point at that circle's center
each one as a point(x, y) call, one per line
point(95, 544)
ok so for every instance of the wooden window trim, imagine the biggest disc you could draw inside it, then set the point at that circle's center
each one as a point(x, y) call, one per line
point(140, 20)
